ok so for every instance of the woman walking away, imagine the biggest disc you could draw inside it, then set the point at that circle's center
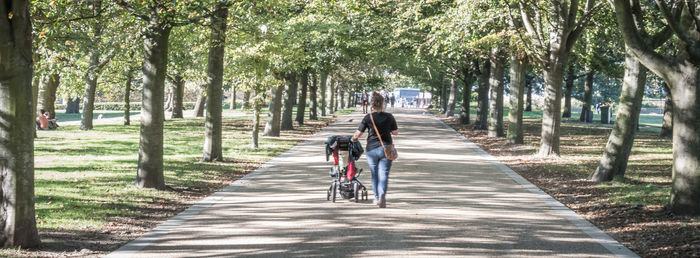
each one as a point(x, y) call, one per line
point(378, 163)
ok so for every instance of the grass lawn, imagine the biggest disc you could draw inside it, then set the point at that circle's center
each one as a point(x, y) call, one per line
point(85, 193)
point(632, 210)
point(649, 120)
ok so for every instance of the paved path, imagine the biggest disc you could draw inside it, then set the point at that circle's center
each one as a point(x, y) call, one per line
point(446, 197)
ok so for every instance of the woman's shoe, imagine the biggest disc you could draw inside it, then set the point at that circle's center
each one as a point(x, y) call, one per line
point(382, 201)
point(375, 201)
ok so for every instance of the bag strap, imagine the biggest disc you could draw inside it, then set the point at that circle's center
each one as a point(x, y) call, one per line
point(376, 131)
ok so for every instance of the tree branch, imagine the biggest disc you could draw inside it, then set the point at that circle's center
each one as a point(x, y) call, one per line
point(131, 10)
point(660, 37)
point(537, 40)
point(520, 34)
point(646, 55)
point(590, 11)
point(5, 29)
point(691, 8)
point(673, 22)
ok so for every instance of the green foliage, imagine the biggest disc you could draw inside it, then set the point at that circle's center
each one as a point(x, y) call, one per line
point(67, 33)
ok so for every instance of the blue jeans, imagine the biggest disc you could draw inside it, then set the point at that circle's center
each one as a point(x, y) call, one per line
point(380, 166)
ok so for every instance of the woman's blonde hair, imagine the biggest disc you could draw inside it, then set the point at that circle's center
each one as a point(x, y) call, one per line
point(377, 102)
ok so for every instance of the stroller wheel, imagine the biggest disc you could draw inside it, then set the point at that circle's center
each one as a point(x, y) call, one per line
point(356, 190)
point(364, 194)
point(333, 191)
point(328, 195)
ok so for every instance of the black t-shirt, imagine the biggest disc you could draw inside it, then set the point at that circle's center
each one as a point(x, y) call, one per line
point(385, 124)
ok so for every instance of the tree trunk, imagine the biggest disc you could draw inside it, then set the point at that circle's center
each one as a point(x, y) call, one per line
point(155, 64)
point(47, 92)
point(272, 127)
point(73, 105)
point(517, 87)
point(232, 103)
point(93, 71)
point(483, 101)
point(313, 96)
point(257, 107)
point(551, 115)
point(467, 80)
point(495, 120)
point(201, 100)
point(569, 88)
point(17, 216)
point(587, 95)
point(301, 106)
point(528, 101)
point(617, 151)
point(322, 89)
point(35, 97)
point(127, 97)
point(295, 94)
point(36, 83)
point(215, 80)
point(331, 95)
point(287, 121)
point(682, 74)
point(246, 100)
point(336, 97)
point(685, 91)
point(342, 99)
point(178, 92)
point(667, 126)
point(443, 96)
point(452, 101)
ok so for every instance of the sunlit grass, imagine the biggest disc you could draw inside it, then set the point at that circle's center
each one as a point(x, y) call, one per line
point(85, 179)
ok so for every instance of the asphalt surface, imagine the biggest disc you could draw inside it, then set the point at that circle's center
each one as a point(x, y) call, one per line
point(446, 197)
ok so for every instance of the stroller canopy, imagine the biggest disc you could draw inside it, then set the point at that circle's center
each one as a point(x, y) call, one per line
point(343, 143)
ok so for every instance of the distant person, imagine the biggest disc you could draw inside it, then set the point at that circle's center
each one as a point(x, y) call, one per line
point(365, 101)
point(52, 121)
point(45, 122)
point(42, 121)
point(392, 99)
point(385, 95)
point(377, 161)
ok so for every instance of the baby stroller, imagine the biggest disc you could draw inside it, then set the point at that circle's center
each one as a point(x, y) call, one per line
point(344, 172)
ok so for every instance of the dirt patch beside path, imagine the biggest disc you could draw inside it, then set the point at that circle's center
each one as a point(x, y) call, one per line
point(625, 210)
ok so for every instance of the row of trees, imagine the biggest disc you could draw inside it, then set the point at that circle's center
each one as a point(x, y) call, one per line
point(287, 51)
point(476, 43)
point(270, 50)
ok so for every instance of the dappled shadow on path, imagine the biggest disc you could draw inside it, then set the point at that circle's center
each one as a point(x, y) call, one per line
point(444, 199)
point(631, 210)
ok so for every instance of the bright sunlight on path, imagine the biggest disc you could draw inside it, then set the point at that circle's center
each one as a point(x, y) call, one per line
point(446, 197)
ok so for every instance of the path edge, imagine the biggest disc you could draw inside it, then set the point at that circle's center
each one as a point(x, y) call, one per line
point(165, 227)
point(587, 227)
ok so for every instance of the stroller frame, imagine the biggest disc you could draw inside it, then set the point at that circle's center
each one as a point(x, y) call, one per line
point(347, 186)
